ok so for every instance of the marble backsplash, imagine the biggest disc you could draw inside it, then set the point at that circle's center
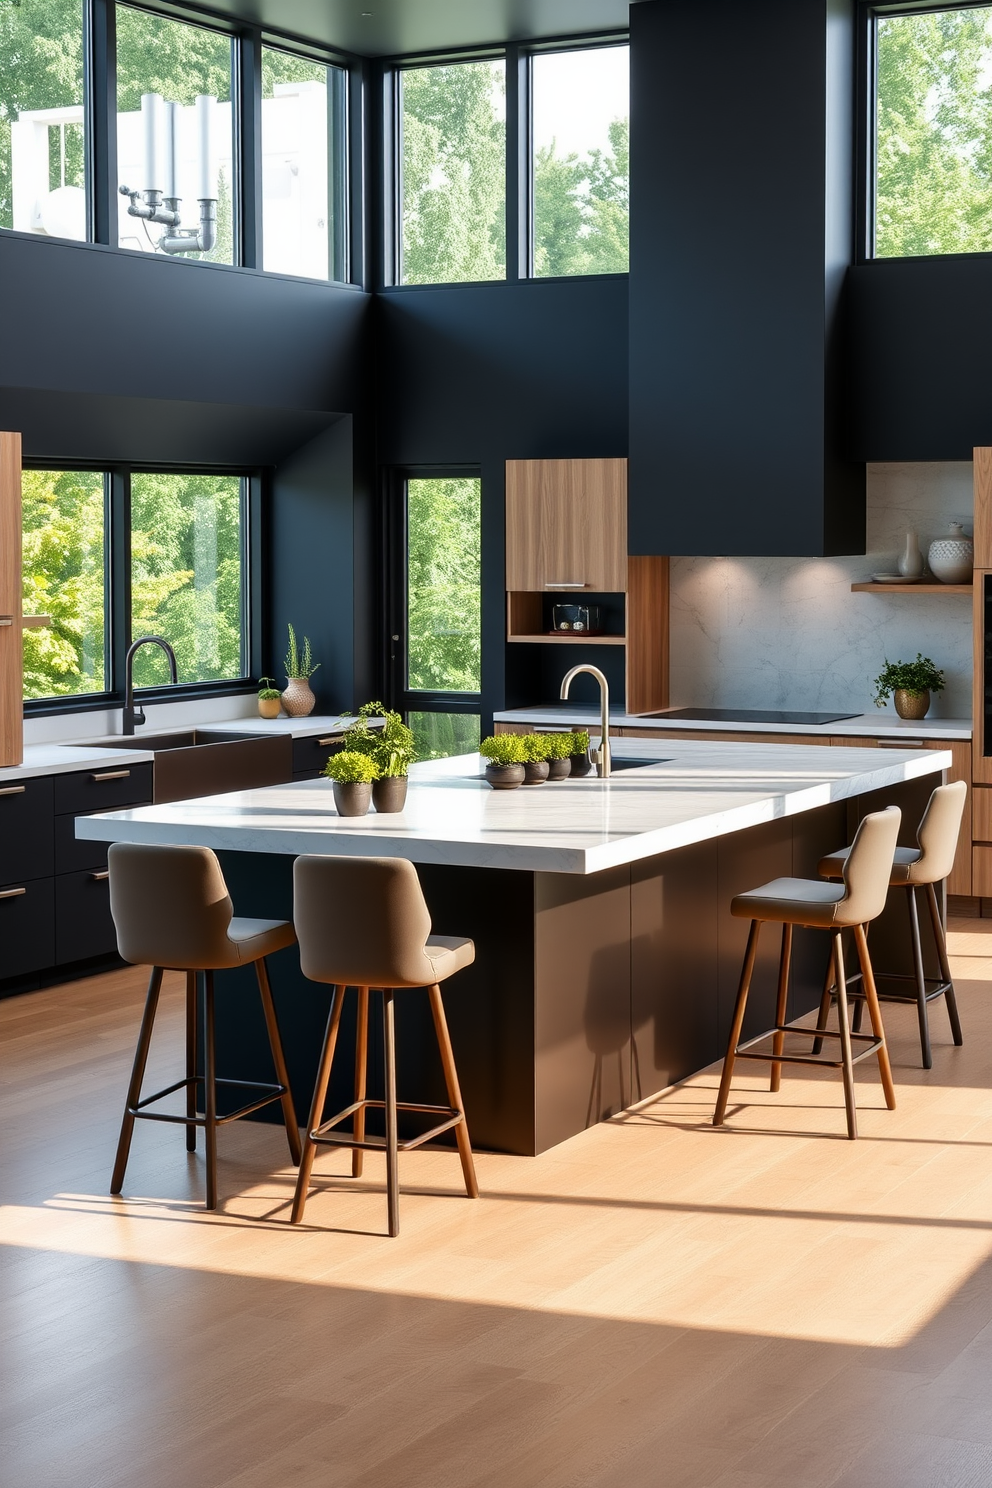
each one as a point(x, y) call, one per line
point(788, 632)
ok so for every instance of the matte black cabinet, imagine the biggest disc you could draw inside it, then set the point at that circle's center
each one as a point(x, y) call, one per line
point(311, 755)
point(27, 927)
point(25, 830)
point(83, 926)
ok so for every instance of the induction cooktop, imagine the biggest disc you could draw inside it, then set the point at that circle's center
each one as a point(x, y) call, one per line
point(752, 715)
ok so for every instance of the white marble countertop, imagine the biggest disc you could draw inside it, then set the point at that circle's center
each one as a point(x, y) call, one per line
point(878, 725)
point(83, 753)
point(695, 791)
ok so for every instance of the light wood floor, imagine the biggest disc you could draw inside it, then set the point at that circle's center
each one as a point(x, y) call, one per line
point(654, 1304)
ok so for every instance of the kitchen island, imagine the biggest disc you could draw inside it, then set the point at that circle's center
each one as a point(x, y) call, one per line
point(607, 958)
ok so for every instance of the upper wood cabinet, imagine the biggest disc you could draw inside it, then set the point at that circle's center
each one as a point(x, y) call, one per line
point(983, 507)
point(566, 525)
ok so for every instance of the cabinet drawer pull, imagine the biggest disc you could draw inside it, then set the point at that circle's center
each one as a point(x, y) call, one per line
point(580, 585)
point(113, 775)
point(13, 790)
point(11, 893)
point(99, 877)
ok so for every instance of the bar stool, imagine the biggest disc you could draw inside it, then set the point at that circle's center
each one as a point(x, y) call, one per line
point(801, 901)
point(363, 923)
point(172, 910)
point(920, 867)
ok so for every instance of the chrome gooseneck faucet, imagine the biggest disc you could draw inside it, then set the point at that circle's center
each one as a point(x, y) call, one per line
point(601, 756)
point(133, 715)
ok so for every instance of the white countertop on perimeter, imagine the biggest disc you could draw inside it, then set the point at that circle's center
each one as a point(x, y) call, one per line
point(697, 790)
point(878, 725)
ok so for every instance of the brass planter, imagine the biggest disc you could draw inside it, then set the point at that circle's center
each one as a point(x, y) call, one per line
point(911, 704)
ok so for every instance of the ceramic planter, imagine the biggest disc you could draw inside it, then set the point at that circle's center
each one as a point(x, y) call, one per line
point(911, 704)
point(389, 794)
point(297, 699)
point(269, 707)
point(535, 772)
point(559, 769)
point(505, 777)
point(581, 764)
point(352, 797)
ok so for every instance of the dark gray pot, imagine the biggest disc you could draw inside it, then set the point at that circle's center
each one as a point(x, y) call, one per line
point(535, 772)
point(352, 797)
point(581, 764)
point(389, 794)
point(559, 769)
point(505, 777)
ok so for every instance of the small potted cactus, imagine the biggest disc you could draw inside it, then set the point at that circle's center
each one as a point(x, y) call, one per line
point(505, 753)
point(579, 747)
point(352, 775)
point(269, 698)
point(558, 752)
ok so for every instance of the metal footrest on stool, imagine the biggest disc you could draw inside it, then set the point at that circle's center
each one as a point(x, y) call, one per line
point(272, 1093)
point(378, 1144)
point(746, 1050)
point(935, 987)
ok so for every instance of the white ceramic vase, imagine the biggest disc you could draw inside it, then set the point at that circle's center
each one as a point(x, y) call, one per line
point(297, 699)
point(952, 558)
point(910, 565)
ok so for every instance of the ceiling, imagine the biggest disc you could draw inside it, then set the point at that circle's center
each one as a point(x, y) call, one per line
point(400, 27)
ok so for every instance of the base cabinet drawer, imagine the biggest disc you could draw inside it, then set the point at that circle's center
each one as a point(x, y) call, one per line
point(103, 789)
point(311, 755)
point(25, 830)
point(27, 927)
point(72, 853)
point(83, 926)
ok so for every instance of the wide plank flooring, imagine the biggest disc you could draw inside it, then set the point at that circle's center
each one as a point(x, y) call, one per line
point(654, 1304)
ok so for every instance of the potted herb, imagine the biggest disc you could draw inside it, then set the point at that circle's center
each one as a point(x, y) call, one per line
point(535, 758)
point(911, 682)
point(579, 748)
point(558, 751)
point(352, 774)
point(505, 753)
point(298, 699)
point(393, 749)
point(269, 698)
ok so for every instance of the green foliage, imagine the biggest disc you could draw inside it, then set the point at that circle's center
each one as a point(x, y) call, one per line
point(504, 749)
point(582, 208)
point(441, 735)
point(557, 746)
point(579, 742)
point(299, 663)
point(443, 585)
point(349, 766)
point(934, 143)
point(63, 515)
point(41, 66)
point(393, 747)
point(268, 693)
point(535, 748)
point(916, 676)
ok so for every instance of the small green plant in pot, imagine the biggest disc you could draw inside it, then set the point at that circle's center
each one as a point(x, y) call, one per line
point(910, 684)
point(352, 775)
point(391, 746)
point(505, 753)
point(558, 752)
point(536, 767)
point(579, 752)
point(298, 699)
point(269, 698)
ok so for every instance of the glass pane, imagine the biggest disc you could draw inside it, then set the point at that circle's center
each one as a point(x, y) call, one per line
point(303, 166)
point(454, 172)
point(581, 103)
point(42, 152)
point(440, 735)
point(174, 138)
point(444, 637)
point(63, 567)
point(934, 134)
point(186, 575)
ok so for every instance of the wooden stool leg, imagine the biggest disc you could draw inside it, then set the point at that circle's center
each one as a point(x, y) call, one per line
point(210, 1088)
point(921, 985)
point(875, 1014)
point(317, 1105)
point(454, 1091)
point(945, 965)
point(137, 1076)
point(738, 1023)
point(847, 1065)
point(781, 1005)
point(392, 1134)
point(361, 1066)
point(191, 1060)
point(278, 1059)
point(826, 1000)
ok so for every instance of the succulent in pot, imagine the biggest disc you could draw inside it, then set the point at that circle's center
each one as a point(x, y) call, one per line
point(352, 775)
point(505, 753)
point(579, 752)
point(536, 765)
point(558, 751)
point(298, 699)
point(910, 684)
point(391, 746)
point(269, 698)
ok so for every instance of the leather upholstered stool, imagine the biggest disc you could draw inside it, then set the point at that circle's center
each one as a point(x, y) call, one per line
point(363, 923)
point(172, 910)
point(920, 867)
point(811, 902)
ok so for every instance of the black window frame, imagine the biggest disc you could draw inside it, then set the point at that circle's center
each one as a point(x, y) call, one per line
point(117, 595)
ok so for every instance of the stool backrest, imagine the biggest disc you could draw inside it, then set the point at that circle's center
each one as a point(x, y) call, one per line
point(361, 922)
point(938, 834)
point(170, 905)
point(869, 867)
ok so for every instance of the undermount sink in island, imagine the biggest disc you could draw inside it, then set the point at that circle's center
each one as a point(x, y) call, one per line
point(607, 958)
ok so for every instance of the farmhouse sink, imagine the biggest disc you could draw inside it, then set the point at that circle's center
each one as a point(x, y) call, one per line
point(200, 762)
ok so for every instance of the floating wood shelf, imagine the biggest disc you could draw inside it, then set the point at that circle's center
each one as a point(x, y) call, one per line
point(562, 638)
point(912, 588)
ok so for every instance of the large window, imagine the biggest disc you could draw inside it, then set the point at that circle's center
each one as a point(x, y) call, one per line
point(453, 172)
point(933, 120)
point(42, 120)
point(64, 578)
point(580, 164)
